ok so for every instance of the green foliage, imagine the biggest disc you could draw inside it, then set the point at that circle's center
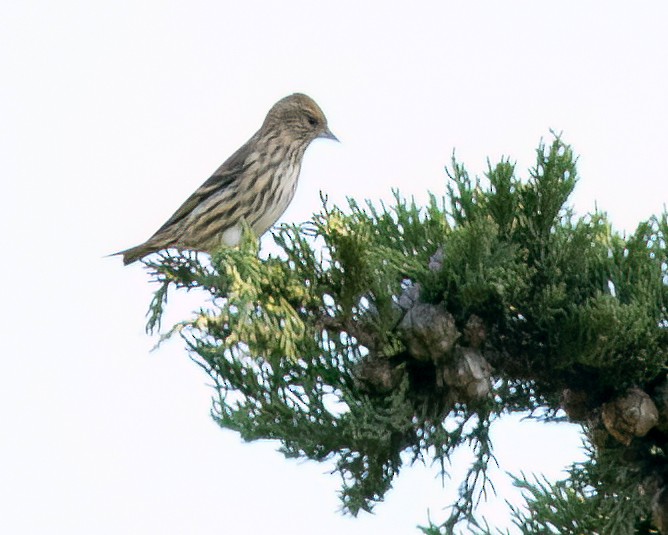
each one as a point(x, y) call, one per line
point(574, 506)
point(565, 303)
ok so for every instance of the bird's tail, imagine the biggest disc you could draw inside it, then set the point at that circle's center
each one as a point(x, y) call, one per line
point(135, 253)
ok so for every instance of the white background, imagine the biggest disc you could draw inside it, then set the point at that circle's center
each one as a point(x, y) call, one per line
point(112, 113)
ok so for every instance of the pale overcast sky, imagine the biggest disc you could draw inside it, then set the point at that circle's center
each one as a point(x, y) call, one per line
point(114, 112)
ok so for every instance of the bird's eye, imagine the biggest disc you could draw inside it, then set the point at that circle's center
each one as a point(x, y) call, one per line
point(312, 120)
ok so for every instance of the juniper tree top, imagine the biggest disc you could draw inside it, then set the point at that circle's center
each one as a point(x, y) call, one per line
point(387, 334)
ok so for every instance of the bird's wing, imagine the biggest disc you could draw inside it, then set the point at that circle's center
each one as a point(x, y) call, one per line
point(222, 178)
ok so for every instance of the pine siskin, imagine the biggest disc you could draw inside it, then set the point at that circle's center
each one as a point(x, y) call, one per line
point(255, 185)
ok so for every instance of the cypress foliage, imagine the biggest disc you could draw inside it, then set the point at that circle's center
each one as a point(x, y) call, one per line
point(382, 335)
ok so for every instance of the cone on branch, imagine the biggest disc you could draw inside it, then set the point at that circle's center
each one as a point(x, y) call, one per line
point(377, 374)
point(436, 260)
point(429, 332)
point(631, 415)
point(468, 376)
point(474, 332)
point(575, 404)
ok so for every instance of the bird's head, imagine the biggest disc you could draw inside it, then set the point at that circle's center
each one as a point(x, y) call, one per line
point(300, 117)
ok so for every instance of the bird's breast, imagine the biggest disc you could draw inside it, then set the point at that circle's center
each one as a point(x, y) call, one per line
point(274, 198)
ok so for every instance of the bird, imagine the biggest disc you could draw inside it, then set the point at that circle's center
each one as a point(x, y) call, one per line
point(252, 187)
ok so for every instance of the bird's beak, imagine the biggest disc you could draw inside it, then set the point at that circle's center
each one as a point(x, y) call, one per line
point(327, 134)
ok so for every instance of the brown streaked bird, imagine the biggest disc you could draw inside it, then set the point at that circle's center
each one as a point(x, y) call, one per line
point(255, 185)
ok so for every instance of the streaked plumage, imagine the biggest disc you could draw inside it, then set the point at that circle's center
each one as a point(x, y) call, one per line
point(255, 185)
